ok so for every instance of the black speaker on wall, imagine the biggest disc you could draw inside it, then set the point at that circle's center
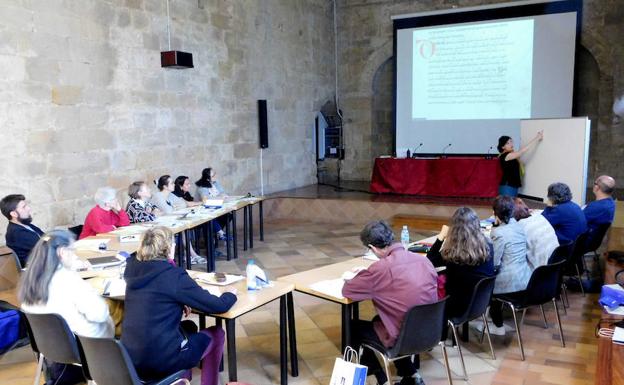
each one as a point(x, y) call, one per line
point(263, 124)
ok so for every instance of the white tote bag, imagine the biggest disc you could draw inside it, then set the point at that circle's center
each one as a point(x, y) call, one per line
point(347, 370)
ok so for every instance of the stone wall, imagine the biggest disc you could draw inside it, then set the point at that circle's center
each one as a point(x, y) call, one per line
point(365, 44)
point(84, 102)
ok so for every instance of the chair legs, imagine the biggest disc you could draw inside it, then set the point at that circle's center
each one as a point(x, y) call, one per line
point(543, 317)
point(386, 360)
point(446, 363)
point(558, 322)
point(461, 355)
point(487, 331)
point(578, 276)
point(39, 370)
point(518, 333)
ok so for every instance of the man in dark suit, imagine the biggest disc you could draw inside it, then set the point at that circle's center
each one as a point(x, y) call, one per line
point(21, 234)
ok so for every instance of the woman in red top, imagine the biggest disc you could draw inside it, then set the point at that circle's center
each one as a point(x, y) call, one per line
point(106, 216)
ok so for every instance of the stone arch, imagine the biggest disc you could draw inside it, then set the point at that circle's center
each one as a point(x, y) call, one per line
point(381, 119)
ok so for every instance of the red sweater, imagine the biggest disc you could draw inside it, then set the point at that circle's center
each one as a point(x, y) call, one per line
point(100, 221)
point(395, 283)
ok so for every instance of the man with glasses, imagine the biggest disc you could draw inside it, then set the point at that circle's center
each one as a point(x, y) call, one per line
point(602, 210)
point(21, 234)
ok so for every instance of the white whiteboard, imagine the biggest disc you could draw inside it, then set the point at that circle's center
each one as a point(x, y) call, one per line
point(561, 156)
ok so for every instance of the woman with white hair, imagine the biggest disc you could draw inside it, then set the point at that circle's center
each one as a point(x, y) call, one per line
point(106, 216)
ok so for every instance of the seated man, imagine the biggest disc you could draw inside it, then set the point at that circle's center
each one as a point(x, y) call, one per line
point(602, 210)
point(106, 216)
point(21, 234)
point(565, 216)
point(399, 281)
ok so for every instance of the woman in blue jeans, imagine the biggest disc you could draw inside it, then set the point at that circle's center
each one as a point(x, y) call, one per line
point(511, 180)
point(157, 295)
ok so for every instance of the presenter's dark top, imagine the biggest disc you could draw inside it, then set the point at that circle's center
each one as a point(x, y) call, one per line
point(156, 293)
point(21, 239)
point(511, 171)
point(567, 219)
point(599, 212)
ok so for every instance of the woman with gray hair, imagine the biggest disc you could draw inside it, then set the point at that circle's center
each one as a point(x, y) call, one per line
point(50, 286)
point(565, 216)
point(106, 216)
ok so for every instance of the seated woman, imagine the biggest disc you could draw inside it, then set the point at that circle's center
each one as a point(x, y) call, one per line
point(106, 216)
point(208, 186)
point(181, 189)
point(167, 203)
point(164, 199)
point(565, 216)
point(510, 258)
point(157, 294)
point(540, 235)
point(467, 255)
point(50, 286)
point(139, 208)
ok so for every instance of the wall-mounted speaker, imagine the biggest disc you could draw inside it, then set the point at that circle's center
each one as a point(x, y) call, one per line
point(263, 125)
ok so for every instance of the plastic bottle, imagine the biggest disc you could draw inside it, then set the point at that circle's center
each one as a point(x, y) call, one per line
point(251, 275)
point(405, 239)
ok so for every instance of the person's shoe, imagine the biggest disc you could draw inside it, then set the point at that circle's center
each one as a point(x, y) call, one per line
point(218, 254)
point(222, 237)
point(414, 379)
point(494, 330)
point(197, 260)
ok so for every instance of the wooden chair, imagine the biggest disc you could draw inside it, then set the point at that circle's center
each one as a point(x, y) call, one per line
point(10, 269)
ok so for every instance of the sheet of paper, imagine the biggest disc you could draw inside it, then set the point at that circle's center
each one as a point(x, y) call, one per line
point(209, 278)
point(129, 230)
point(90, 244)
point(618, 335)
point(616, 311)
point(212, 290)
point(115, 287)
point(370, 256)
point(331, 287)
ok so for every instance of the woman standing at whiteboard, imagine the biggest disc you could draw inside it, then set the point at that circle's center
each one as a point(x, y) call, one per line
point(511, 180)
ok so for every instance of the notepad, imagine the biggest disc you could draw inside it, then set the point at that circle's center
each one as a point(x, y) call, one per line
point(331, 287)
point(114, 287)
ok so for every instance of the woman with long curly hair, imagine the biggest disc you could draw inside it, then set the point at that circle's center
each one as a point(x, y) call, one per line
point(467, 255)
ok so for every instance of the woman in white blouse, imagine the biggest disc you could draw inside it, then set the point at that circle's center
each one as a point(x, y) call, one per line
point(50, 286)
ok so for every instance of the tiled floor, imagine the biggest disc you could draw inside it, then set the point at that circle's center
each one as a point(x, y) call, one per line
point(295, 246)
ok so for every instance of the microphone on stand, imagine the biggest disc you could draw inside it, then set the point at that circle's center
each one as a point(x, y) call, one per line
point(489, 156)
point(416, 149)
point(444, 150)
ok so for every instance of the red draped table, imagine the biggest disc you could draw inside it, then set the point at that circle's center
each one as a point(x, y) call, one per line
point(444, 177)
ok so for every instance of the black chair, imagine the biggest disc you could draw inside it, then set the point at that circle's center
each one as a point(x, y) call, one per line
point(51, 338)
point(576, 262)
point(562, 253)
point(541, 289)
point(594, 239)
point(421, 331)
point(481, 295)
point(109, 364)
point(76, 230)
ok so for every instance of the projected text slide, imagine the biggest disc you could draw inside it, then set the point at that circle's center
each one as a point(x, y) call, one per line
point(481, 71)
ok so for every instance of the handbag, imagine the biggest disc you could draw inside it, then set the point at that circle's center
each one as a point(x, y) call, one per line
point(347, 370)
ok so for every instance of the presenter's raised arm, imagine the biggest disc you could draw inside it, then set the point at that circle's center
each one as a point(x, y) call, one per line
point(516, 154)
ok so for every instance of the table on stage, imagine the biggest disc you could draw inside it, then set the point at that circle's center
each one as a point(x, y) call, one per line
point(303, 282)
point(475, 177)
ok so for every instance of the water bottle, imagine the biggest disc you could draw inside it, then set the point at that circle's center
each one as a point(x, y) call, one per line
point(405, 240)
point(251, 275)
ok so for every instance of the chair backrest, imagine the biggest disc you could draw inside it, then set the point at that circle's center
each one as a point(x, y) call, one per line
point(481, 295)
point(578, 251)
point(561, 253)
point(53, 338)
point(10, 269)
point(543, 285)
point(421, 329)
point(76, 230)
point(107, 361)
point(595, 237)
